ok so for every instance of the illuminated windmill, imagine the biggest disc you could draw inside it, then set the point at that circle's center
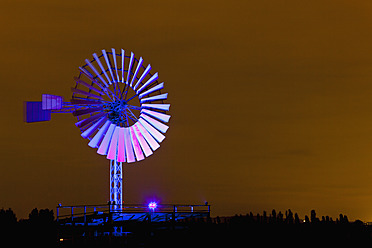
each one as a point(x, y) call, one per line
point(120, 109)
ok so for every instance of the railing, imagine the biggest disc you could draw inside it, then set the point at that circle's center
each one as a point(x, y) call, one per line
point(84, 210)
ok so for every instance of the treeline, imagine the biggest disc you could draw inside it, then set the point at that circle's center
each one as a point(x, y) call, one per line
point(40, 227)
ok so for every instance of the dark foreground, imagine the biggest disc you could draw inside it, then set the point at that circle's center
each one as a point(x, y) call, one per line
point(239, 231)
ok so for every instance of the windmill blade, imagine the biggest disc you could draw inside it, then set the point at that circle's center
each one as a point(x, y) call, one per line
point(136, 145)
point(86, 111)
point(102, 149)
point(111, 153)
point(121, 145)
point(84, 102)
point(89, 120)
point(93, 128)
point(157, 115)
point(136, 71)
point(116, 66)
point(155, 133)
point(157, 124)
point(155, 88)
point(164, 107)
point(145, 147)
point(82, 92)
point(96, 72)
point(150, 140)
point(122, 65)
point(144, 74)
point(155, 98)
point(128, 146)
point(152, 79)
point(130, 66)
point(108, 65)
point(99, 135)
point(101, 66)
point(80, 81)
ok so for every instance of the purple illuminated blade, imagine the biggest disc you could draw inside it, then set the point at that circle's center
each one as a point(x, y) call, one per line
point(96, 72)
point(93, 128)
point(155, 98)
point(156, 106)
point(111, 154)
point(157, 124)
point(145, 147)
point(136, 71)
point(102, 149)
point(121, 145)
point(152, 79)
point(150, 140)
point(102, 68)
point(84, 102)
point(79, 81)
point(155, 133)
point(88, 120)
point(94, 143)
point(122, 65)
point(136, 145)
point(86, 111)
point(157, 115)
point(82, 92)
point(116, 66)
point(108, 65)
point(91, 77)
point(157, 87)
point(144, 74)
point(130, 66)
point(128, 146)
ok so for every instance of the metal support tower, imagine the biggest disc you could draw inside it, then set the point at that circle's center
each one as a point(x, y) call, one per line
point(116, 184)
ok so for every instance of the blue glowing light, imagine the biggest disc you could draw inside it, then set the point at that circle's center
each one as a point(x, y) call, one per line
point(152, 205)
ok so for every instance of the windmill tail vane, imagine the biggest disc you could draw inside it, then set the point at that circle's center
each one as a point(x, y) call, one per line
point(120, 109)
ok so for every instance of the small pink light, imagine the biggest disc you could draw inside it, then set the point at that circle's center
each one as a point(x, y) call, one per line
point(152, 205)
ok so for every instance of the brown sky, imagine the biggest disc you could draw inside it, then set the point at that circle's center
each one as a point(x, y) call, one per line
point(270, 101)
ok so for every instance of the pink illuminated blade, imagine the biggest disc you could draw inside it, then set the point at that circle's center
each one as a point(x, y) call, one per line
point(136, 72)
point(130, 66)
point(93, 128)
point(136, 145)
point(116, 66)
point(122, 65)
point(128, 146)
point(157, 124)
point(157, 106)
point(152, 79)
point(157, 87)
point(150, 140)
point(145, 147)
point(102, 149)
point(144, 74)
point(88, 120)
point(96, 72)
point(86, 111)
point(155, 133)
point(99, 135)
point(155, 98)
point(121, 145)
point(108, 65)
point(82, 92)
point(102, 68)
point(157, 115)
point(111, 153)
